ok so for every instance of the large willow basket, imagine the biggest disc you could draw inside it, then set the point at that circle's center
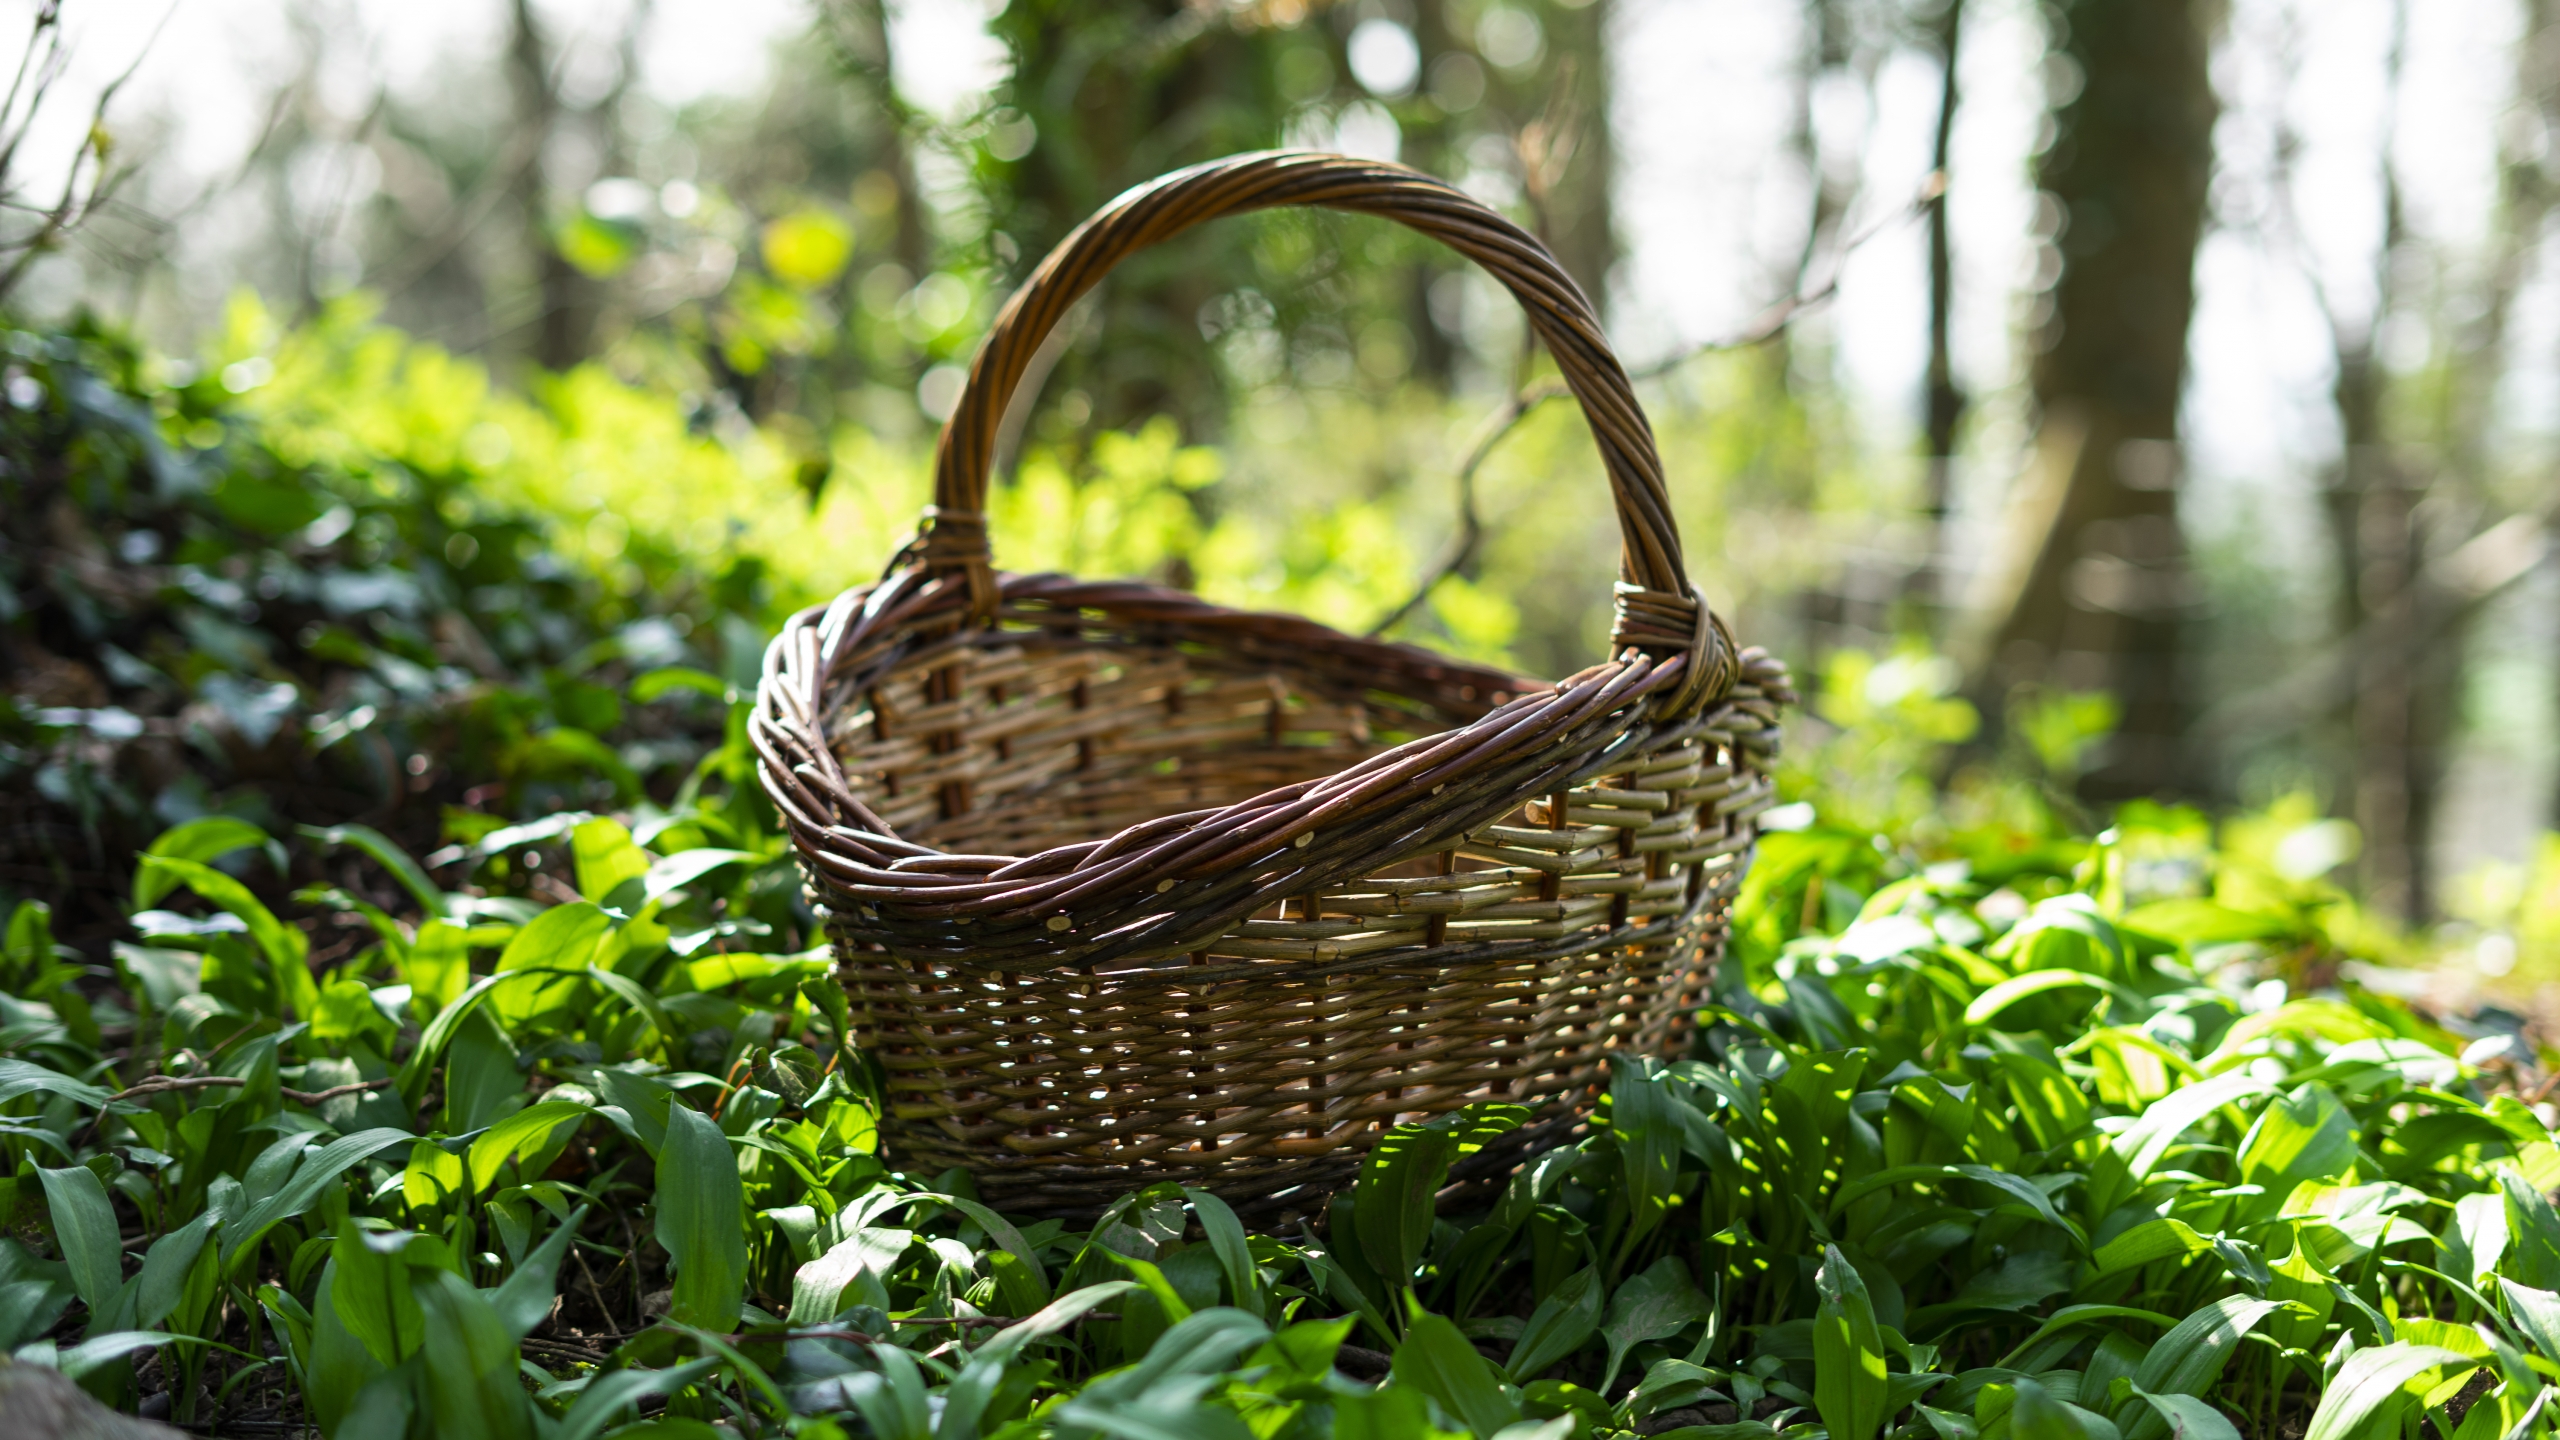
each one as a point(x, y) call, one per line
point(1126, 887)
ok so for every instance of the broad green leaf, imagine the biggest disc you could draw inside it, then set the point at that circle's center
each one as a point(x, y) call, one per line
point(2074, 1316)
point(2307, 1135)
point(893, 1403)
point(527, 1129)
point(2475, 1239)
point(2533, 1230)
point(613, 1392)
point(1849, 1385)
point(1437, 1360)
point(280, 943)
point(432, 1174)
point(339, 1365)
point(2536, 1312)
point(2039, 1414)
point(859, 1263)
point(437, 967)
point(2188, 1359)
point(96, 1350)
point(385, 852)
point(523, 1299)
point(21, 1077)
point(1642, 1118)
point(1563, 1320)
point(470, 1362)
point(374, 1293)
point(965, 1403)
point(666, 876)
point(605, 857)
point(317, 1172)
point(84, 1226)
point(2150, 1241)
point(202, 841)
point(1391, 1202)
point(2189, 1418)
point(162, 1283)
point(702, 1221)
point(2370, 1381)
point(1988, 1005)
point(1654, 1305)
point(1227, 1239)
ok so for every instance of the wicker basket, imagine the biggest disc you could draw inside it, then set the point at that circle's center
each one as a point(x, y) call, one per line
point(1126, 887)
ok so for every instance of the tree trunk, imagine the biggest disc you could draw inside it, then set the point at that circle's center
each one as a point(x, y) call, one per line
point(1581, 227)
point(1942, 401)
point(569, 300)
point(2105, 601)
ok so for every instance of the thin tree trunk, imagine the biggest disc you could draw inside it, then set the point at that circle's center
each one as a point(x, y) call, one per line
point(862, 31)
point(568, 299)
point(2104, 602)
point(1944, 401)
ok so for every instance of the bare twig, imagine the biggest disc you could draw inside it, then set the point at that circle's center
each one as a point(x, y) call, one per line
point(162, 1084)
point(72, 206)
point(314, 1097)
point(159, 1084)
point(1764, 327)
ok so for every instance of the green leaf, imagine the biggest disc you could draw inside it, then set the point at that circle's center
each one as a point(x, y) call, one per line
point(2152, 1240)
point(1655, 1305)
point(965, 1403)
point(667, 679)
point(684, 867)
point(470, 1361)
point(339, 1364)
point(373, 1293)
point(523, 1299)
point(1235, 1257)
point(1988, 1005)
point(1849, 1384)
point(97, 1350)
point(385, 852)
point(317, 1172)
point(606, 856)
point(2370, 1381)
point(615, 1391)
point(2188, 1359)
point(1437, 1360)
point(2189, 1418)
point(285, 947)
point(1642, 1117)
point(21, 1077)
point(2533, 1231)
point(701, 1222)
point(859, 1263)
point(2307, 1135)
point(2037, 1414)
point(201, 841)
point(1391, 1202)
point(529, 1128)
point(1563, 1320)
point(84, 1226)
point(163, 1280)
point(2536, 1312)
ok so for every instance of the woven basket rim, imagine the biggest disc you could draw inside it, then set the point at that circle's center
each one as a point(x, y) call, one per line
point(870, 863)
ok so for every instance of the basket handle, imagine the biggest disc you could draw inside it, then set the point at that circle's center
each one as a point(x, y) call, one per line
point(1658, 610)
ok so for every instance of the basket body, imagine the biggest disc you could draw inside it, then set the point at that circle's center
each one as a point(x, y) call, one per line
point(1125, 887)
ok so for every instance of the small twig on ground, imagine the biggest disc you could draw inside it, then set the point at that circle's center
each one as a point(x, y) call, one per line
point(1764, 327)
point(160, 1084)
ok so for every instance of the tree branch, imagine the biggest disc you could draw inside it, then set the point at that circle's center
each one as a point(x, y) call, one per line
point(1764, 327)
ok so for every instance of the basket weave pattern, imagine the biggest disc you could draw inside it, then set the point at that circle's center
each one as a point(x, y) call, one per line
point(1128, 887)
